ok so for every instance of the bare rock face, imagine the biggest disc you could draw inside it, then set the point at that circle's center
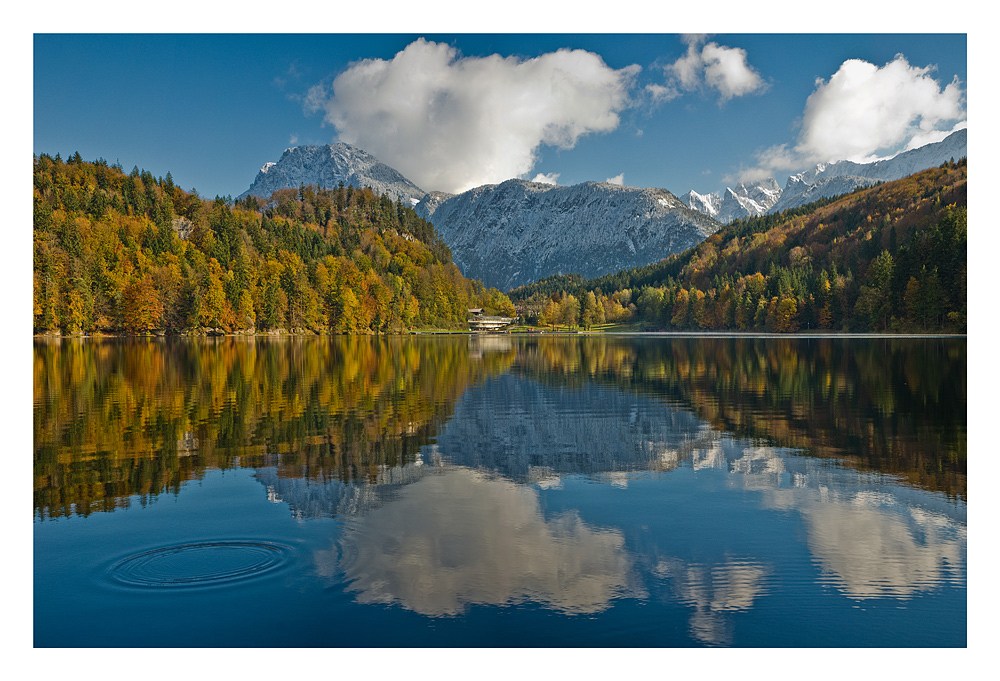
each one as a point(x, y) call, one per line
point(183, 227)
point(517, 232)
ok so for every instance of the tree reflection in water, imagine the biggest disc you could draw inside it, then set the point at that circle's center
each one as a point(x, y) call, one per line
point(115, 419)
point(436, 454)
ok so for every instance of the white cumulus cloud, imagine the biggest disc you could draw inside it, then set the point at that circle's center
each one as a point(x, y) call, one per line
point(451, 123)
point(617, 179)
point(712, 66)
point(865, 112)
point(727, 71)
point(662, 93)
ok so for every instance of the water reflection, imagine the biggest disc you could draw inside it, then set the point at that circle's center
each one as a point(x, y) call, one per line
point(457, 538)
point(117, 419)
point(869, 537)
point(526, 430)
point(575, 475)
point(887, 404)
point(440, 535)
point(713, 591)
point(871, 545)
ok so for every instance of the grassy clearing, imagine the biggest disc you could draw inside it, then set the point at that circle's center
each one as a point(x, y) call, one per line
point(561, 328)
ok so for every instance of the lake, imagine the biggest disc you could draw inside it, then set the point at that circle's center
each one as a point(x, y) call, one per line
point(500, 491)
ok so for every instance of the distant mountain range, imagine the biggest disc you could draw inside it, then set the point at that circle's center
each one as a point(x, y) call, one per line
point(746, 200)
point(513, 233)
point(823, 181)
point(517, 232)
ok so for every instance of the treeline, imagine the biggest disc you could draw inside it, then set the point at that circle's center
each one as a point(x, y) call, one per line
point(118, 252)
point(891, 257)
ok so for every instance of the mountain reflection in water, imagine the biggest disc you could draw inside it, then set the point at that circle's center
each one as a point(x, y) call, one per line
point(455, 536)
point(717, 478)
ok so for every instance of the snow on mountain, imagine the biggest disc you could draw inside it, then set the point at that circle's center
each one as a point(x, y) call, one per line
point(743, 201)
point(799, 192)
point(429, 203)
point(908, 162)
point(832, 179)
point(752, 200)
point(825, 180)
point(764, 194)
point(703, 203)
point(327, 166)
point(516, 232)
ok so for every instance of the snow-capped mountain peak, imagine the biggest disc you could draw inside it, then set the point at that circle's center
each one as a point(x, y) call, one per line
point(745, 200)
point(703, 203)
point(327, 166)
point(823, 180)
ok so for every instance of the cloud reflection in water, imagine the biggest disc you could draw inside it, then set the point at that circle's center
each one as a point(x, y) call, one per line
point(713, 590)
point(867, 536)
point(872, 546)
point(458, 537)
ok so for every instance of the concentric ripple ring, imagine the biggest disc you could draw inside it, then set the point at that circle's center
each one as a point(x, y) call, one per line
point(199, 564)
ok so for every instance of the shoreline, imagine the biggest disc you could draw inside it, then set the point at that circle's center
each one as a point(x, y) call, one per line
point(443, 332)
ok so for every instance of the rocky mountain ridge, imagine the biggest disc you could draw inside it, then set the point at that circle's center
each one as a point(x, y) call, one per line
point(516, 232)
point(745, 200)
point(822, 181)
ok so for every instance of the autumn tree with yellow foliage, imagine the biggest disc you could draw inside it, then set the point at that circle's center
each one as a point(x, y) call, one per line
point(118, 252)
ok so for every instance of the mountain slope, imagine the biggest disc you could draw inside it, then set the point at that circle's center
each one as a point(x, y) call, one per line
point(746, 200)
point(832, 179)
point(823, 181)
point(891, 257)
point(327, 166)
point(753, 200)
point(516, 232)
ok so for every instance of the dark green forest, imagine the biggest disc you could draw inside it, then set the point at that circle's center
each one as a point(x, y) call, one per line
point(891, 257)
point(118, 252)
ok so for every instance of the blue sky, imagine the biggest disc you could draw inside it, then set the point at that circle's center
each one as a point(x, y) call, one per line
point(667, 110)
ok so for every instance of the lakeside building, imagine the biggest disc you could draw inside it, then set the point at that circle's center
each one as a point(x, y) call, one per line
point(480, 322)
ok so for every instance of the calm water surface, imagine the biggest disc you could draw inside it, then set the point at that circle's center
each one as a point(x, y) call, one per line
point(500, 491)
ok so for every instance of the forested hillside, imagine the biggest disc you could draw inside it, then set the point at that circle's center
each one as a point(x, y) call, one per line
point(886, 258)
point(130, 253)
